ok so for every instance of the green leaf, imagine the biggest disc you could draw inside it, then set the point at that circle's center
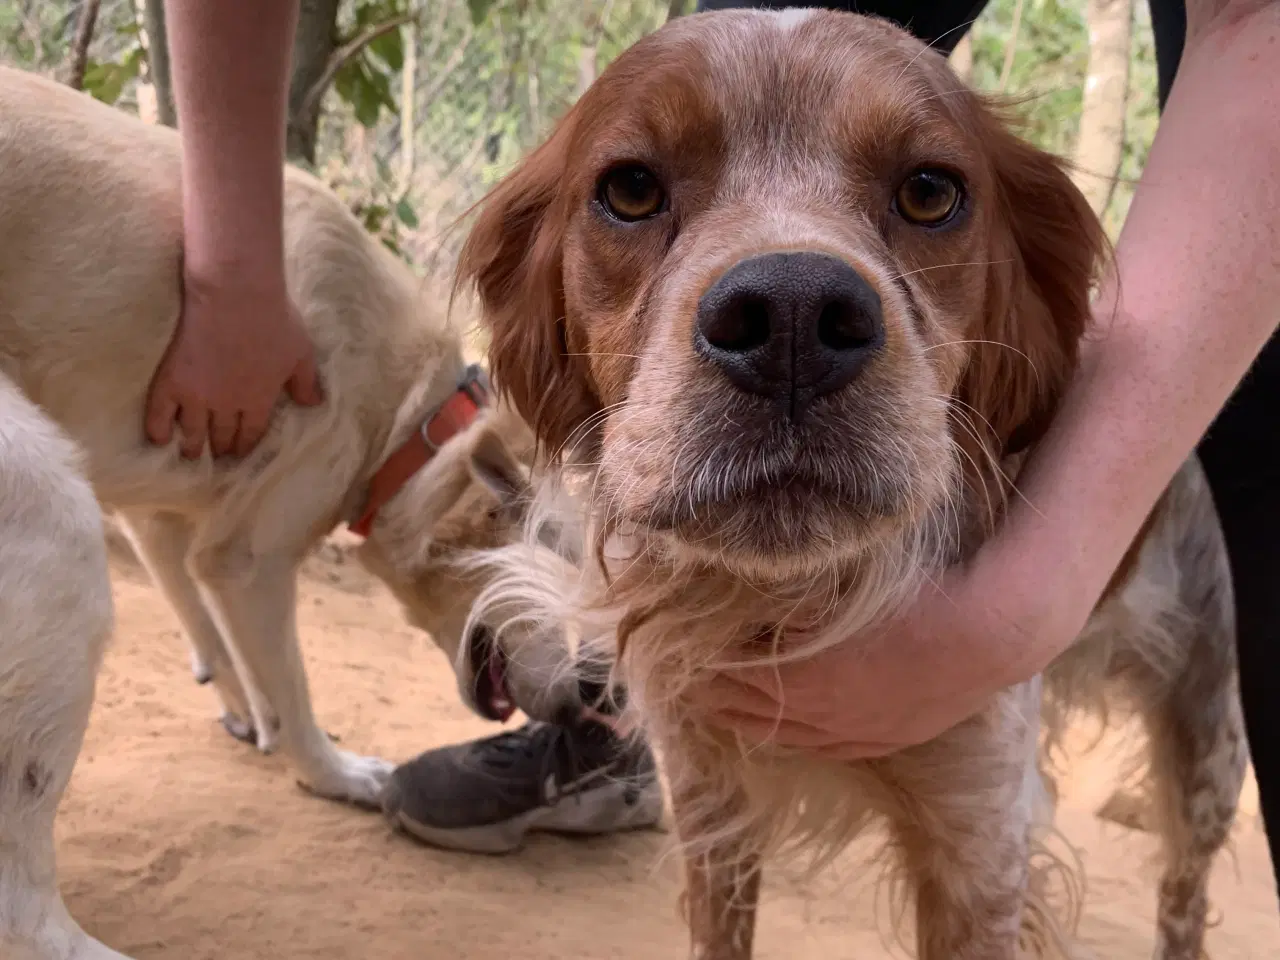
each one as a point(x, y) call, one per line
point(367, 91)
point(381, 83)
point(366, 13)
point(372, 12)
point(374, 216)
point(389, 48)
point(366, 104)
point(408, 216)
point(479, 10)
point(106, 81)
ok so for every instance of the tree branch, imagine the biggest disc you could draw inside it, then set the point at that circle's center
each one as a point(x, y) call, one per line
point(442, 75)
point(408, 94)
point(157, 46)
point(348, 52)
point(85, 25)
point(1011, 47)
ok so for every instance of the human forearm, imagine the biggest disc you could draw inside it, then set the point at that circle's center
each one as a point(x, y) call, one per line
point(1200, 290)
point(230, 75)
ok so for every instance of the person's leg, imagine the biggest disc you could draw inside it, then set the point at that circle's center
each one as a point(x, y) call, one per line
point(1169, 30)
point(1241, 457)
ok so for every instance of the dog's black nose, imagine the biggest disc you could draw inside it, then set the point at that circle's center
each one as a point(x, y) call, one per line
point(790, 327)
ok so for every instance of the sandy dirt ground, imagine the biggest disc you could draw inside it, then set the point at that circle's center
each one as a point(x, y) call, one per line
point(178, 843)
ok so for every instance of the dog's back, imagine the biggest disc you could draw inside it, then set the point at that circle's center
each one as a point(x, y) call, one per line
point(90, 285)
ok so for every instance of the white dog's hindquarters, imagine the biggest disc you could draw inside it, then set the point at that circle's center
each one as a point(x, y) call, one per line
point(55, 619)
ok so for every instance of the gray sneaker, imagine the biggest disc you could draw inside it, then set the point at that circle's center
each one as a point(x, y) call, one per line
point(486, 795)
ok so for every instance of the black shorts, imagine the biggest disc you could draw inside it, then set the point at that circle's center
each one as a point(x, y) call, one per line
point(1240, 453)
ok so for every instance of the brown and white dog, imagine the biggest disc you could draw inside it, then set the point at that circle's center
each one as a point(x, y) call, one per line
point(796, 303)
point(91, 228)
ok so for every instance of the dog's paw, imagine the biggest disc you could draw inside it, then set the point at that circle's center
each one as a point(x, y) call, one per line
point(351, 778)
point(239, 728)
point(264, 736)
point(268, 733)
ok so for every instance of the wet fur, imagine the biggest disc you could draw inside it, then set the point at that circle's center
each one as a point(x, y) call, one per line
point(699, 556)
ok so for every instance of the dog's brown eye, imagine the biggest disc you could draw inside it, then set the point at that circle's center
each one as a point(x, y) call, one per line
point(632, 193)
point(928, 198)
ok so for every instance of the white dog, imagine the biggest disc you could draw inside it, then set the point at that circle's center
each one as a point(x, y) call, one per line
point(402, 447)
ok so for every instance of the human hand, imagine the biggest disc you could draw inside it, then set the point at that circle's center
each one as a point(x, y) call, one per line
point(239, 343)
point(983, 628)
point(239, 340)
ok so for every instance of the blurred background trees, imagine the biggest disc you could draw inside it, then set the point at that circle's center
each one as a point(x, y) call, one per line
point(411, 109)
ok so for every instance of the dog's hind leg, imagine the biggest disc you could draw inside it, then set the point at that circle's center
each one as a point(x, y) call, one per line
point(163, 542)
point(55, 620)
point(1179, 669)
point(1198, 762)
point(1198, 768)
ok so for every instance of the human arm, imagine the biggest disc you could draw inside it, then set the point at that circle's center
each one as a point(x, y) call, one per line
point(1199, 269)
point(239, 341)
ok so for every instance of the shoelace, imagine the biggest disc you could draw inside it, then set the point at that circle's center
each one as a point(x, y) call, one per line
point(561, 759)
point(551, 741)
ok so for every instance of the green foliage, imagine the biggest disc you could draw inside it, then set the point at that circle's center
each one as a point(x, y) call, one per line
point(107, 80)
point(492, 76)
point(382, 207)
point(364, 81)
point(406, 214)
point(33, 34)
point(1047, 80)
point(367, 90)
point(479, 10)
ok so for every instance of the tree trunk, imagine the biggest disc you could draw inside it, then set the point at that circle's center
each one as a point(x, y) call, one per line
point(1011, 47)
point(157, 44)
point(587, 55)
point(516, 51)
point(313, 45)
point(408, 94)
point(86, 21)
point(677, 8)
point(589, 52)
point(1100, 144)
point(962, 57)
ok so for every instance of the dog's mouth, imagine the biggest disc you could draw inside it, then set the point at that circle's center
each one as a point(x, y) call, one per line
point(489, 676)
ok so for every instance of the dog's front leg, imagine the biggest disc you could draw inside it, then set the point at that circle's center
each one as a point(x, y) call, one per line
point(254, 599)
point(720, 901)
point(722, 881)
point(964, 809)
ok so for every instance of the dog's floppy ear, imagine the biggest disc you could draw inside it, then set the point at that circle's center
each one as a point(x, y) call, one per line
point(496, 467)
point(1047, 249)
point(514, 257)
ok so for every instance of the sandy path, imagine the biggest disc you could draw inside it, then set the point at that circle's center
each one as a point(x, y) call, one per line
point(177, 843)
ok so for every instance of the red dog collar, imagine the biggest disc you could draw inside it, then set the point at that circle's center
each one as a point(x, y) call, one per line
point(448, 420)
